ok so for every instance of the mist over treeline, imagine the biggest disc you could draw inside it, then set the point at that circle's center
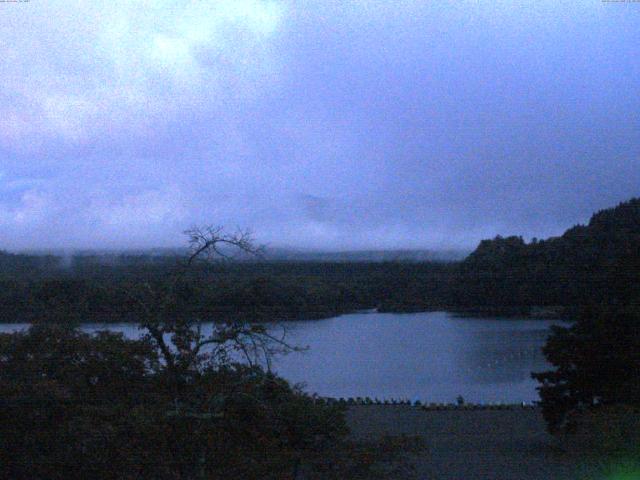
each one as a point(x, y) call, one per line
point(597, 262)
point(52, 260)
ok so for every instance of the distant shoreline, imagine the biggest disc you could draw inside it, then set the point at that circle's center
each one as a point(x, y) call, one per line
point(533, 313)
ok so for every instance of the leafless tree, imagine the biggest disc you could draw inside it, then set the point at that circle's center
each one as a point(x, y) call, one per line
point(179, 337)
point(210, 243)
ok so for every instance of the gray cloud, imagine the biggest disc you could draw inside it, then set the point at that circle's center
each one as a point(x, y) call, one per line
point(323, 124)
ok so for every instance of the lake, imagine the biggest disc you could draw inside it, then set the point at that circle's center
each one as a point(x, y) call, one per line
point(430, 356)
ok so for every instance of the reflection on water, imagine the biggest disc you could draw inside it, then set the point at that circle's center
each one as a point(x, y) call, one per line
point(429, 356)
point(504, 352)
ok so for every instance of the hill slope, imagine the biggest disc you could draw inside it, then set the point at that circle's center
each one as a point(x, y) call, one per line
point(597, 262)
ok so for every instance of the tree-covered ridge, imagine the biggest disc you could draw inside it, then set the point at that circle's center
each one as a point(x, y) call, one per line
point(597, 262)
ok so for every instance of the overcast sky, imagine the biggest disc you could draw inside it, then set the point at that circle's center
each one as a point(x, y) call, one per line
point(325, 124)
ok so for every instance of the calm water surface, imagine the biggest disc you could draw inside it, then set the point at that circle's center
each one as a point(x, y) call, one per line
point(430, 356)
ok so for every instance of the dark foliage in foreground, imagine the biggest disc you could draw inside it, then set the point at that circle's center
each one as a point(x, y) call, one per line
point(176, 404)
point(597, 364)
point(75, 406)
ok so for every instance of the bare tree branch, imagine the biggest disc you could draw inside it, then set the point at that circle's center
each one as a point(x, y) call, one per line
point(208, 242)
point(184, 352)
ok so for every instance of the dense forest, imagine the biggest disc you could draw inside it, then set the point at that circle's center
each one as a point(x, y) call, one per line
point(597, 263)
point(594, 263)
point(258, 291)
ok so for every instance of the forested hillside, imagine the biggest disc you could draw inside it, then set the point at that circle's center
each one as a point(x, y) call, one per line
point(594, 263)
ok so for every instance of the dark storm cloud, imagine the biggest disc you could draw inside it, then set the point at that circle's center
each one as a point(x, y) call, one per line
point(323, 124)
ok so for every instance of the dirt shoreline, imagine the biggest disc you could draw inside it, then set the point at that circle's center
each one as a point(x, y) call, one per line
point(507, 444)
